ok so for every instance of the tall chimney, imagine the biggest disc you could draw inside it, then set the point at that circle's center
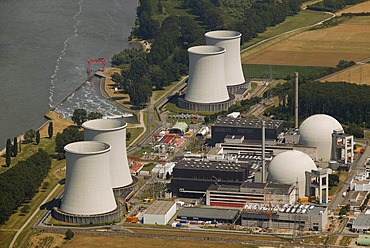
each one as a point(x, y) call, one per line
point(296, 100)
point(263, 152)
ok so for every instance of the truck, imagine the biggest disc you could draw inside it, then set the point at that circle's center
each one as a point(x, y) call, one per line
point(344, 194)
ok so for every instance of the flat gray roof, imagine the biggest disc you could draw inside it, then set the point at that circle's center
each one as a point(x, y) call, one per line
point(209, 213)
point(246, 123)
point(363, 220)
point(159, 207)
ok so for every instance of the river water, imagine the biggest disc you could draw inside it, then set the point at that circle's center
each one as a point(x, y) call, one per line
point(44, 48)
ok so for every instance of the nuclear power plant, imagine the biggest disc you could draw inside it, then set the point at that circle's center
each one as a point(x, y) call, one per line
point(215, 73)
point(97, 172)
point(88, 196)
point(230, 40)
point(113, 132)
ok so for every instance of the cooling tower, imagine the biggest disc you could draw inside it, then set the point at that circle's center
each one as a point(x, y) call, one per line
point(230, 40)
point(206, 75)
point(88, 187)
point(113, 132)
point(206, 90)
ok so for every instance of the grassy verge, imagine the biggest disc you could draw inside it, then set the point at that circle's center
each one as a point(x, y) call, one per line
point(345, 241)
point(280, 71)
point(342, 177)
point(135, 132)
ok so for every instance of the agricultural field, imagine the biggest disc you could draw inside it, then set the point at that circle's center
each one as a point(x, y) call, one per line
point(359, 74)
point(362, 7)
point(349, 40)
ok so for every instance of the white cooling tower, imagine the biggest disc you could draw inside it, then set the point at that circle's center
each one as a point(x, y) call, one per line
point(88, 187)
point(230, 40)
point(206, 82)
point(113, 132)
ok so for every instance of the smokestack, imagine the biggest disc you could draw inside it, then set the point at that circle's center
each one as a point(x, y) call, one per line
point(296, 100)
point(263, 152)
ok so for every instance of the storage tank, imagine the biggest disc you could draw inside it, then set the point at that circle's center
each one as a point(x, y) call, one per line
point(206, 82)
point(88, 187)
point(230, 40)
point(316, 131)
point(113, 132)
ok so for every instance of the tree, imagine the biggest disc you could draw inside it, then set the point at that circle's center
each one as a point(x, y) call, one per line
point(8, 160)
point(25, 209)
point(69, 234)
point(37, 137)
point(15, 147)
point(29, 135)
point(79, 116)
point(94, 115)
point(69, 135)
point(50, 129)
point(128, 136)
point(8, 149)
point(333, 180)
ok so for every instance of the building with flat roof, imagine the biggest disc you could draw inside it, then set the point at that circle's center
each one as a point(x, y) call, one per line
point(160, 212)
point(251, 129)
point(221, 215)
point(362, 223)
point(304, 217)
point(249, 192)
point(192, 178)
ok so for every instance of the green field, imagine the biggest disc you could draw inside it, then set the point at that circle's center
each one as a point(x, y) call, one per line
point(303, 19)
point(279, 71)
point(170, 8)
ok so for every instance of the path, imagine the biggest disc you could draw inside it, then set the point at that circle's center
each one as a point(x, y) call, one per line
point(33, 215)
point(288, 32)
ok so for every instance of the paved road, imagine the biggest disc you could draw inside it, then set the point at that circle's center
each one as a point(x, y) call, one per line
point(357, 166)
point(33, 215)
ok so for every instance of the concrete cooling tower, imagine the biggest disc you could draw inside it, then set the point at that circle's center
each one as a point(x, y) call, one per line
point(230, 40)
point(113, 132)
point(206, 90)
point(88, 195)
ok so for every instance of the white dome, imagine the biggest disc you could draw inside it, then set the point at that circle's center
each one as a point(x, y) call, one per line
point(290, 166)
point(316, 131)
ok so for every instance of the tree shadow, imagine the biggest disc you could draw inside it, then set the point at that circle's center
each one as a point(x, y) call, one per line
point(50, 204)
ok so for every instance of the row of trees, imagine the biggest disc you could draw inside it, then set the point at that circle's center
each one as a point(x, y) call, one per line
point(332, 5)
point(79, 116)
point(69, 135)
point(20, 183)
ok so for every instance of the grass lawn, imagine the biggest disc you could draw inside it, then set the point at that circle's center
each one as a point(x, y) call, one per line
point(279, 71)
point(170, 8)
point(342, 177)
point(134, 133)
point(304, 18)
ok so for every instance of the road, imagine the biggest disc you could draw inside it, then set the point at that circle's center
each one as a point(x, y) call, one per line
point(33, 215)
point(357, 166)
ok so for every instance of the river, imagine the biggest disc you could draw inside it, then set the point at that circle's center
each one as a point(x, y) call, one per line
point(44, 48)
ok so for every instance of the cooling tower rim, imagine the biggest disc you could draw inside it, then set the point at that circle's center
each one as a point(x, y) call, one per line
point(104, 125)
point(87, 148)
point(223, 34)
point(206, 50)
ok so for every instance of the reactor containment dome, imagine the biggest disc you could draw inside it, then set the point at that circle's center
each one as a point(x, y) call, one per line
point(289, 167)
point(316, 131)
point(88, 187)
point(230, 40)
point(206, 90)
point(112, 132)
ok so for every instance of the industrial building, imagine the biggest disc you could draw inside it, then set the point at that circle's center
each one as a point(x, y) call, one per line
point(206, 90)
point(305, 217)
point(251, 129)
point(113, 132)
point(88, 196)
point(219, 215)
point(230, 41)
point(192, 178)
point(160, 212)
point(249, 192)
point(317, 182)
point(342, 147)
point(316, 131)
point(162, 170)
point(362, 223)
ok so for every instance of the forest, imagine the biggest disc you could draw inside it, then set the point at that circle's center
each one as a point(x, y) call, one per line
point(348, 103)
point(332, 5)
point(20, 183)
point(167, 60)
